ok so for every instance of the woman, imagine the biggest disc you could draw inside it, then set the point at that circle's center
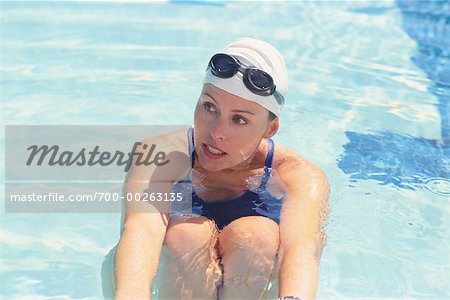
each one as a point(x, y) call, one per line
point(254, 202)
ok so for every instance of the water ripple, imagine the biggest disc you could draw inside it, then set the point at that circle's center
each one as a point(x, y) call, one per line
point(438, 186)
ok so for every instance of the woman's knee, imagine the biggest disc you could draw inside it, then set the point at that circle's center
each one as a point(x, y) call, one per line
point(248, 248)
point(188, 233)
point(190, 244)
point(255, 235)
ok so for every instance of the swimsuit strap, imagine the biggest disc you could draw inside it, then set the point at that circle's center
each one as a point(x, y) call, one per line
point(191, 145)
point(267, 163)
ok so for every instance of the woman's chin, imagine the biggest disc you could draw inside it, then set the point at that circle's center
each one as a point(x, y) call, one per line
point(210, 165)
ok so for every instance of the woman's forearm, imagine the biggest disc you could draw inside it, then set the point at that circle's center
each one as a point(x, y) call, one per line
point(299, 271)
point(136, 260)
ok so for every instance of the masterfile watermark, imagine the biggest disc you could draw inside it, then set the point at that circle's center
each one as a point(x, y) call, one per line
point(104, 158)
point(92, 168)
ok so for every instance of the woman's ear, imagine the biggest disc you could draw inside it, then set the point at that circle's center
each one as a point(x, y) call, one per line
point(272, 128)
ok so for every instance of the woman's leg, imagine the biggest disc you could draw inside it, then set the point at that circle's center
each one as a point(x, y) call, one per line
point(248, 247)
point(192, 265)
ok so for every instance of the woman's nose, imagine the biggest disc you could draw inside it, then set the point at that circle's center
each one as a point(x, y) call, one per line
point(218, 130)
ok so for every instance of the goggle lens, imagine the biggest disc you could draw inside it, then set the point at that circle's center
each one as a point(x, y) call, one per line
point(260, 79)
point(223, 65)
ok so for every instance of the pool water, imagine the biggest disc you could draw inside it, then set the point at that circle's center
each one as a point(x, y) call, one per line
point(368, 102)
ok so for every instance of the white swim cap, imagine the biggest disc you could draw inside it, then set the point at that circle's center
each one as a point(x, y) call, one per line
point(262, 55)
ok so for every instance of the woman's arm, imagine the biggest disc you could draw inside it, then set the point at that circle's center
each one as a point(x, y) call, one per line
point(304, 210)
point(140, 244)
point(139, 248)
point(137, 254)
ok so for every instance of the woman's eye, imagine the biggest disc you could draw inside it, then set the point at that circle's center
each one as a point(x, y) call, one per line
point(240, 120)
point(209, 107)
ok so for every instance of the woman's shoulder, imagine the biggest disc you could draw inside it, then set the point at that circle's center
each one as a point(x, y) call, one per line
point(174, 140)
point(289, 164)
point(171, 149)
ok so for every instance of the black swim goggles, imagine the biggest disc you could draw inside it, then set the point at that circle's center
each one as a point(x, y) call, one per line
point(257, 81)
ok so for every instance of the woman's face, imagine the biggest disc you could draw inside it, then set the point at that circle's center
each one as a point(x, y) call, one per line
point(228, 129)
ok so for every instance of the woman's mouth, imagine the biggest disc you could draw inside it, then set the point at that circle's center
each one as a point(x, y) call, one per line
point(212, 152)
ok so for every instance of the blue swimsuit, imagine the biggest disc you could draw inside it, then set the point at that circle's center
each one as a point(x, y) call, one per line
point(256, 202)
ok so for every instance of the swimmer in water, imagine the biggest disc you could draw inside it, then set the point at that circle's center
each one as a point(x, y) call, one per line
point(257, 207)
